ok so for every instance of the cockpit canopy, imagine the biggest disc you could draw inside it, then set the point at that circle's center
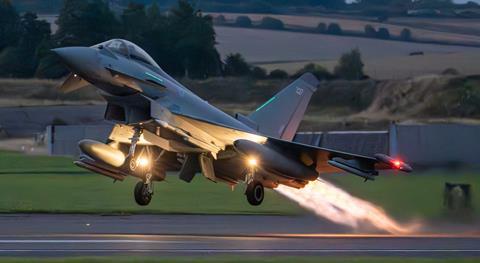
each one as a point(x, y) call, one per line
point(128, 49)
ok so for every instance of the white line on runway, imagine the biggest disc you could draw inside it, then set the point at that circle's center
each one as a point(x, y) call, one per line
point(31, 241)
point(218, 251)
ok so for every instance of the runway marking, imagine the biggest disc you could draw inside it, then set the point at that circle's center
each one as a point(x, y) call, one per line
point(218, 251)
point(243, 236)
point(313, 235)
point(40, 241)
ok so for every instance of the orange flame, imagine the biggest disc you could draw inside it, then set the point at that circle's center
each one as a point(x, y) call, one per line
point(335, 204)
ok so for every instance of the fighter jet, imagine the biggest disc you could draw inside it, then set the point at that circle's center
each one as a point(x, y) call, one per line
point(160, 126)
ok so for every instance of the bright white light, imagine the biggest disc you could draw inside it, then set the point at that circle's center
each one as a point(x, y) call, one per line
point(328, 201)
point(252, 162)
point(142, 161)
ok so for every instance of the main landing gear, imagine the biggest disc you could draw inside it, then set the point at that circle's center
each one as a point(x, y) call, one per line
point(143, 190)
point(255, 191)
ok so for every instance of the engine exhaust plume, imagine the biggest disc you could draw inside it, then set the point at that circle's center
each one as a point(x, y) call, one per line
point(328, 201)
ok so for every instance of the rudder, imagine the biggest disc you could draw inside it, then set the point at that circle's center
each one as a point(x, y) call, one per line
point(281, 115)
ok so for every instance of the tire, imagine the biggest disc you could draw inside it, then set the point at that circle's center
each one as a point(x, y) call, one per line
point(255, 193)
point(141, 194)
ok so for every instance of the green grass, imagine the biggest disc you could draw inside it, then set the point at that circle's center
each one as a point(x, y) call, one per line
point(54, 184)
point(238, 259)
point(416, 195)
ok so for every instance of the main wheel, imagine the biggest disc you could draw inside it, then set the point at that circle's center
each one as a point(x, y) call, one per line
point(142, 194)
point(255, 193)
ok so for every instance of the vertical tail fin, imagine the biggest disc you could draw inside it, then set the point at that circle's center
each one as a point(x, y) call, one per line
point(281, 115)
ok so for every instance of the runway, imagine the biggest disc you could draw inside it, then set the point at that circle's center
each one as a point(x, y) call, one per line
point(194, 235)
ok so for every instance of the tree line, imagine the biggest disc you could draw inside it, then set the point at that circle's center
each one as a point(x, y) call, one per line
point(350, 66)
point(374, 7)
point(182, 40)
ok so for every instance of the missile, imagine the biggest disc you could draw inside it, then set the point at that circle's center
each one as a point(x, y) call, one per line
point(353, 167)
point(102, 152)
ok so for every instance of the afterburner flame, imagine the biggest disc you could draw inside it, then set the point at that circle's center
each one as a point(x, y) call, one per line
point(328, 201)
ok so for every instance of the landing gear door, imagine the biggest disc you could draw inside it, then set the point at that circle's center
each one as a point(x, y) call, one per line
point(190, 167)
point(206, 163)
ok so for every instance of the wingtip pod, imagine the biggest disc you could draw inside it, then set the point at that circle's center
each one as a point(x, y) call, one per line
point(395, 164)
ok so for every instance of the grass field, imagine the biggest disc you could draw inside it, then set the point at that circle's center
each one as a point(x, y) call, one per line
point(238, 259)
point(416, 195)
point(276, 46)
point(398, 67)
point(383, 59)
point(457, 30)
point(53, 184)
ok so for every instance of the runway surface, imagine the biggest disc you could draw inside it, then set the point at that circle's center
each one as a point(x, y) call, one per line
point(192, 235)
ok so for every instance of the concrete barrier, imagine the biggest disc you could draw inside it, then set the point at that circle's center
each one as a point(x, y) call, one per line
point(359, 142)
point(436, 144)
point(63, 139)
point(424, 145)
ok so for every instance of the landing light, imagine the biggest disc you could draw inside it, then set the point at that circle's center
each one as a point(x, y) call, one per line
point(252, 162)
point(142, 161)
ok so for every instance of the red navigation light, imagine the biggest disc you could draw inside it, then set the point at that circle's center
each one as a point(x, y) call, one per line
point(397, 164)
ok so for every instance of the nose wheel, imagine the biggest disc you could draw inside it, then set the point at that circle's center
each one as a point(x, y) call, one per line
point(143, 193)
point(255, 193)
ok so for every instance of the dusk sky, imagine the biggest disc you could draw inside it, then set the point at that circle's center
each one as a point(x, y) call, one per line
point(456, 1)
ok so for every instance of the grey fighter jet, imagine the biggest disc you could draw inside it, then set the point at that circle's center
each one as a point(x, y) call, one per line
point(161, 126)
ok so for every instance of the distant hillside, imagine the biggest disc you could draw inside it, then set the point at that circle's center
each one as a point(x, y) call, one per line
point(371, 8)
point(340, 104)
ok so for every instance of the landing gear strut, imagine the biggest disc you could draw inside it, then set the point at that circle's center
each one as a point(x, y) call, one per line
point(255, 193)
point(144, 189)
point(131, 152)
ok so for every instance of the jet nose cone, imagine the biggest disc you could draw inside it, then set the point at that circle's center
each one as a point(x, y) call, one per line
point(79, 59)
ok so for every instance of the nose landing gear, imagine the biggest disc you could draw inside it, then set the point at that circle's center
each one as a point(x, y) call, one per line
point(143, 191)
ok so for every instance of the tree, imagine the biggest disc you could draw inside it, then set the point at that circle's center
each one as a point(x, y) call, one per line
point(21, 60)
point(220, 19)
point(9, 24)
point(135, 22)
point(153, 12)
point(271, 23)
point(334, 29)
point(85, 23)
point(321, 27)
point(320, 72)
point(278, 74)
point(49, 65)
point(370, 31)
point(350, 65)
point(235, 65)
point(406, 34)
point(33, 32)
point(259, 73)
point(383, 33)
point(243, 21)
point(193, 39)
